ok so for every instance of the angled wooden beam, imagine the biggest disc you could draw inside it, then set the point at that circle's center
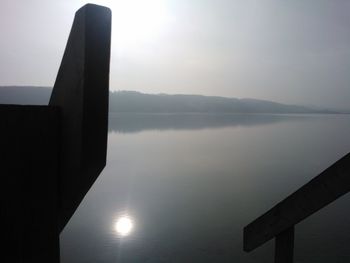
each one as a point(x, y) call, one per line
point(81, 92)
point(316, 194)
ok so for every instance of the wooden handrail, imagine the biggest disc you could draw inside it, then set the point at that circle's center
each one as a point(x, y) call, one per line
point(325, 188)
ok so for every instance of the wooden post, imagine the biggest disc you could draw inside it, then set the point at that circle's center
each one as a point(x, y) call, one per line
point(284, 246)
point(29, 161)
point(81, 92)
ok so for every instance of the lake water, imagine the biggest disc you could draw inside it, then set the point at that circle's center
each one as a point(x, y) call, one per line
point(191, 183)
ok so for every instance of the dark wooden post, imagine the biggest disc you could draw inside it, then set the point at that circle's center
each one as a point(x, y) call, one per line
point(81, 92)
point(29, 147)
point(284, 246)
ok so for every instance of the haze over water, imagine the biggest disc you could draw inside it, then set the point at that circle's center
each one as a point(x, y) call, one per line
point(190, 189)
point(184, 186)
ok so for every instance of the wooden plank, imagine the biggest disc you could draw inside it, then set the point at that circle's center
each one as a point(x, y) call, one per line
point(81, 91)
point(316, 194)
point(29, 147)
point(284, 246)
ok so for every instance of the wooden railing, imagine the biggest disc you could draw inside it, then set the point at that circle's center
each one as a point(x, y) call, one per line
point(279, 221)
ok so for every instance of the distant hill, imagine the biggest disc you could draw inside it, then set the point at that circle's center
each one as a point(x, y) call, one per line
point(128, 101)
point(136, 102)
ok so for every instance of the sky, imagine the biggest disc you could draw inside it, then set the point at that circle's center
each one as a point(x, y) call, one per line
point(291, 51)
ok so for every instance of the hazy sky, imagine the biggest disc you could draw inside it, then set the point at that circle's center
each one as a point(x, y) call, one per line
point(291, 51)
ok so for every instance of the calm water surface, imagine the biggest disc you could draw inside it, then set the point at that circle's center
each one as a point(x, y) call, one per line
point(190, 183)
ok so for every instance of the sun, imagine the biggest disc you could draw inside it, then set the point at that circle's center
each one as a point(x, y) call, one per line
point(124, 225)
point(136, 22)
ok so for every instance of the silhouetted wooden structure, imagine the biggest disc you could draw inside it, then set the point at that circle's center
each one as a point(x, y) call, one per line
point(51, 155)
point(279, 222)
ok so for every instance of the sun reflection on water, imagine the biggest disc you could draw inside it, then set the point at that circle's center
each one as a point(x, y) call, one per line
point(124, 225)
